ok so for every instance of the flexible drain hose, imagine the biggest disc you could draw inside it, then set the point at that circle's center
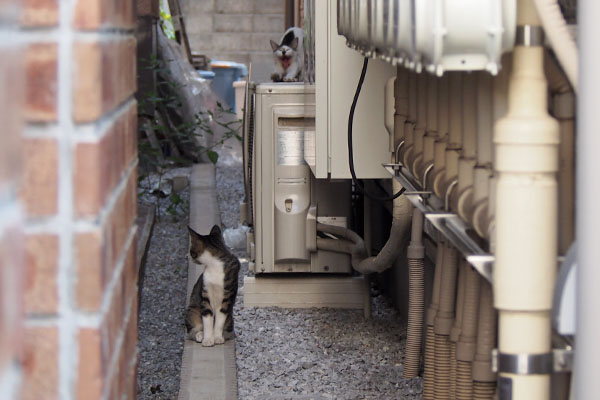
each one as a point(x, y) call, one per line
point(457, 327)
point(443, 324)
point(558, 34)
point(484, 380)
point(429, 373)
point(465, 349)
point(355, 246)
point(416, 297)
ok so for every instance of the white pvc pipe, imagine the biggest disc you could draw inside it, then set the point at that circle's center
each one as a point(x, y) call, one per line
point(587, 350)
point(558, 34)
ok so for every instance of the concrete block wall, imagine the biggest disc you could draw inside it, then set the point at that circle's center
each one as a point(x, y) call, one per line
point(68, 278)
point(235, 30)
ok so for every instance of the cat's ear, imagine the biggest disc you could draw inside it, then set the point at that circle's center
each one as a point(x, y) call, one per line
point(215, 231)
point(193, 233)
point(294, 44)
point(274, 45)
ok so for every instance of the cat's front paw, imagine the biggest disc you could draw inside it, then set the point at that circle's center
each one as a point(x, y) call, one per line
point(219, 340)
point(290, 79)
point(208, 342)
point(199, 337)
point(275, 77)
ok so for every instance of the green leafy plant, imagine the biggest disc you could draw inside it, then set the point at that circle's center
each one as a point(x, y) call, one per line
point(166, 140)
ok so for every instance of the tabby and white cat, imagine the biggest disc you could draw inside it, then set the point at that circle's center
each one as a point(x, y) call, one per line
point(210, 312)
point(288, 56)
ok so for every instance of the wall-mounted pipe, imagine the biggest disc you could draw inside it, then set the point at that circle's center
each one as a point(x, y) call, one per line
point(425, 164)
point(416, 297)
point(462, 200)
point(429, 372)
point(420, 126)
point(563, 109)
point(443, 323)
point(406, 151)
point(526, 215)
point(439, 158)
point(401, 109)
point(483, 170)
point(454, 134)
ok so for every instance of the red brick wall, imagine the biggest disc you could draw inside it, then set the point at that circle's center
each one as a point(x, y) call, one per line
point(68, 279)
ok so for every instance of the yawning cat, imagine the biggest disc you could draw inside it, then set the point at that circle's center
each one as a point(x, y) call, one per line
point(288, 55)
point(210, 313)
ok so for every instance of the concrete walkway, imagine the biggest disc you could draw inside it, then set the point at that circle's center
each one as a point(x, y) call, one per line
point(206, 372)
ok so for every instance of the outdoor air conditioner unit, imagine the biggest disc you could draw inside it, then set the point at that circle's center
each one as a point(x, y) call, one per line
point(287, 200)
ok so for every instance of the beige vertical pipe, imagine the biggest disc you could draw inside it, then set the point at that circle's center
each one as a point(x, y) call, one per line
point(429, 373)
point(457, 326)
point(563, 109)
point(416, 297)
point(484, 380)
point(431, 135)
point(500, 107)
point(454, 133)
point(526, 215)
point(420, 126)
point(443, 324)
point(400, 107)
point(439, 158)
point(406, 151)
point(466, 346)
point(483, 170)
point(464, 195)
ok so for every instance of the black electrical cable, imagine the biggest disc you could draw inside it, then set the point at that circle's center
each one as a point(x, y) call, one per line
point(359, 184)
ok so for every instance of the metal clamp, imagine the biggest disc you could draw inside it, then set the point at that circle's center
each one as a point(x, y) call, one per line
point(529, 35)
point(559, 360)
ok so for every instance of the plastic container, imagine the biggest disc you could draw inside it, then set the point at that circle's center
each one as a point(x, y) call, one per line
point(227, 72)
point(209, 75)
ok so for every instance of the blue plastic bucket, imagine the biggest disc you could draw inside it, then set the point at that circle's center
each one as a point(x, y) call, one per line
point(227, 72)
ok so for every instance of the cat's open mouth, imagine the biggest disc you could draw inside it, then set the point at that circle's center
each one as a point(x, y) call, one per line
point(285, 62)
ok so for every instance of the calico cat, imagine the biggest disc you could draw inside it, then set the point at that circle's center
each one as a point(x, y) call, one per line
point(210, 313)
point(288, 55)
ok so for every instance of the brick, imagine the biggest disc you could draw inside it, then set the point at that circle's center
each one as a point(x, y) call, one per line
point(235, 6)
point(39, 13)
point(233, 23)
point(92, 365)
point(101, 14)
point(198, 23)
point(39, 186)
point(268, 23)
point(41, 96)
point(41, 292)
point(40, 363)
point(105, 76)
point(269, 6)
point(91, 266)
point(99, 165)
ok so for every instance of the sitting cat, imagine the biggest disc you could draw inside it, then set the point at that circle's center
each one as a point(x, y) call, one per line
point(289, 57)
point(210, 312)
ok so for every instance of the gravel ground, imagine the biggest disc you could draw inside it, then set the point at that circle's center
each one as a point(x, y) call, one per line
point(161, 328)
point(314, 353)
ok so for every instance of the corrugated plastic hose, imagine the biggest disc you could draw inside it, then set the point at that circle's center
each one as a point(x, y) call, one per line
point(457, 327)
point(443, 324)
point(416, 297)
point(484, 380)
point(429, 373)
point(465, 349)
